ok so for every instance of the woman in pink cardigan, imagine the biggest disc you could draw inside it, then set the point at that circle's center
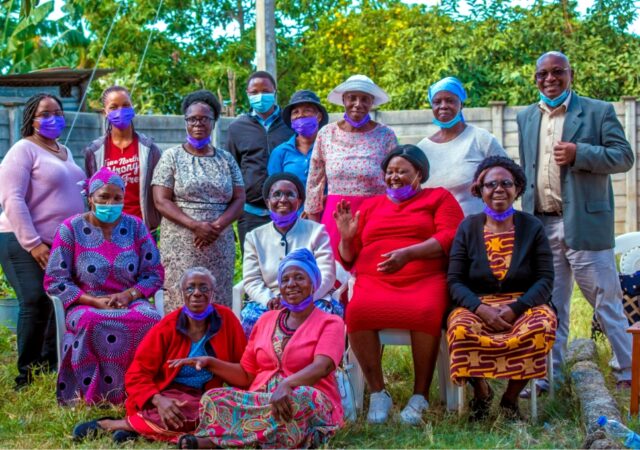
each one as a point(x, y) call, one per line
point(289, 363)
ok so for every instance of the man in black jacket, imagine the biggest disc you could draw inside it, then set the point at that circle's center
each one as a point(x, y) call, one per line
point(251, 138)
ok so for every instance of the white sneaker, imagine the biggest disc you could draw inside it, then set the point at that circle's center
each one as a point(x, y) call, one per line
point(412, 413)
point(379, 405)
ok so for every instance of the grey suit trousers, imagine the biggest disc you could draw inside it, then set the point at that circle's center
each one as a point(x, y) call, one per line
point(596, 275)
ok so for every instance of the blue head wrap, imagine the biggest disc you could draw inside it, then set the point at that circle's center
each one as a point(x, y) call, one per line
point(305, 260)
point(451, 84)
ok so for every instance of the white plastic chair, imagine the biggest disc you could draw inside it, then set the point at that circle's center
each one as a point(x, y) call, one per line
point(61, 326)
point(628, 246)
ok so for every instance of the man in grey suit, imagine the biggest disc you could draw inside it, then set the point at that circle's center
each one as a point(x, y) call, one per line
point(569, 146)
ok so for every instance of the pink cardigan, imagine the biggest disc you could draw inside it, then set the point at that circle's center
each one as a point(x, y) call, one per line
point(320, 334)
point(38, 192)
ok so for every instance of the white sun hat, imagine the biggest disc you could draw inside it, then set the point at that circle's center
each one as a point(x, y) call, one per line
point(358, 83)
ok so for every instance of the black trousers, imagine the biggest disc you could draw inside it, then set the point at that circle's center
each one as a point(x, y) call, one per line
point(36, 322)
point(247, 223)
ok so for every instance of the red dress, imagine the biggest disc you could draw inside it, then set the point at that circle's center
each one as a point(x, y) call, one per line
point(414, 298)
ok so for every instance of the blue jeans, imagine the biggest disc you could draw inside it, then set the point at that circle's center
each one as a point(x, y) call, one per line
point(36, 323)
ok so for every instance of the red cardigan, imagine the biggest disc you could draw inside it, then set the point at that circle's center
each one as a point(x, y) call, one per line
point(149, 374)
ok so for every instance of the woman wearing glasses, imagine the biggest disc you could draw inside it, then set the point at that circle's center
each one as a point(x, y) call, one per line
point(500, 278)
point(457, 148)
point(267, 245)
point(129, 153)
point(199, 191)
point(39, 190)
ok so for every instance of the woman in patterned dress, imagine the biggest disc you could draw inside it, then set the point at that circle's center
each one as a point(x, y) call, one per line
point(348, 153)
point(500, 277)
point(199, 191)
point(292, 399)
point(103, 266)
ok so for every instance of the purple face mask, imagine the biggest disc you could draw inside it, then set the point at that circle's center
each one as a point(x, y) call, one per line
point(283, 220)
point(198, 143)
point(499, 217)
point(121, 118)
point(201, 316)
point(402, 194)
point(365, 120)
point(51, 127)
point(305, 126)
point(304, 304)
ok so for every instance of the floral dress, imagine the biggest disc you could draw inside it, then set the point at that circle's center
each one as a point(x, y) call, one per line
point(203, 188)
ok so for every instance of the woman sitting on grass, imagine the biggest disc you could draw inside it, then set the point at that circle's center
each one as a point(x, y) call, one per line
point(162, 400)
point(104, 265)
point(293, 399)
point(500, 277)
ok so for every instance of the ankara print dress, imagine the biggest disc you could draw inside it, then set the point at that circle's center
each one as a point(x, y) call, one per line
point(519, 353)
point(100, 343)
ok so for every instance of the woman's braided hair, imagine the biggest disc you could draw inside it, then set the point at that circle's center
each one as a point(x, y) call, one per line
point(29, 113)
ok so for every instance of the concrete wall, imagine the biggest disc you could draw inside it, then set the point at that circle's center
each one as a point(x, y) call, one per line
point(410, 126)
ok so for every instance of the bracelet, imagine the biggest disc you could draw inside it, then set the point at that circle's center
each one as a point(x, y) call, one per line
point(133, 293)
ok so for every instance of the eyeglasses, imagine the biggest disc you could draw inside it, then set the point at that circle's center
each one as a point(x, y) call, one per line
point(204, 120)
point(491, 185)
point(47, 114)
point(192, 289)
point(557, 73)
point(290, 195)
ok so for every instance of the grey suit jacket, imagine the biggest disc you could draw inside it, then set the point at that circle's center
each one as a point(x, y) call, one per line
point(587, 193)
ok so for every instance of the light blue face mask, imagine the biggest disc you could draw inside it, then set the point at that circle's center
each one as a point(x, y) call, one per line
point(261, 103)
point(555, 102)
point(450, 123)
point(108, 213)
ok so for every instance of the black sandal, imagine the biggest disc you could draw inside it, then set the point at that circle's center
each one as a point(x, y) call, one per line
point(88, 429)
point(510, 411)
point(189, 440)
point(480, 406)
point(122, 436)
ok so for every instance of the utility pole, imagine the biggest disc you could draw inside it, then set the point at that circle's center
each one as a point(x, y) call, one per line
point(266, 36)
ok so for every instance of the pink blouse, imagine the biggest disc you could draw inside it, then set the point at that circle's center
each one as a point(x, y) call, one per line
point(37, 193)
point(348, 163)
point(320, 334)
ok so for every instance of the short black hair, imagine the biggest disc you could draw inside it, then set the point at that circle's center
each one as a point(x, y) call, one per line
point(414, 155)
point(29, 113)
point(262, 74)
point(202, 96)
point(519, 178)
point(282, 176)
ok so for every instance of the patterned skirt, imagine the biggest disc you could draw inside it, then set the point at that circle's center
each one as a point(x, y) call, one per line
point(232, 417)
point(97, 350)
point(519, 354)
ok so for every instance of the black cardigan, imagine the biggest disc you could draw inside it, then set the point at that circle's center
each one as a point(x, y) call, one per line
point(530, 271)
point(251, 145)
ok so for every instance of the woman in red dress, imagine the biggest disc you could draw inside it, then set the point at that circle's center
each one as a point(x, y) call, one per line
point(397, 245)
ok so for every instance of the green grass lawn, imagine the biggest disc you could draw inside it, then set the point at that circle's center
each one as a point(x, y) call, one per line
point(32, 419)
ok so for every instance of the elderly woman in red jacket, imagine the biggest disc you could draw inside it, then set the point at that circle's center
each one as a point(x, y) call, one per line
point(162, 400)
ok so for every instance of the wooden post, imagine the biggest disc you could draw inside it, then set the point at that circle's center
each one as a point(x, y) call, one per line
point(630, 125)
point(266, 36)
point(497, 120)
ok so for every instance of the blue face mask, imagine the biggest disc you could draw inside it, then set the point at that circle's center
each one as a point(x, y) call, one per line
point(108, 213)
point(555, 102)
point(261, 103)
point(450, 123)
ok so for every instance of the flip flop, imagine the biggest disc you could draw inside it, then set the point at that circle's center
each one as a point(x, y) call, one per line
point(526, 392)
point(122, 436)
point(189, 440)
point(88, 429)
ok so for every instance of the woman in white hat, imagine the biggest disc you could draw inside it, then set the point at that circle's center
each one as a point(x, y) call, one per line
point(348, 153)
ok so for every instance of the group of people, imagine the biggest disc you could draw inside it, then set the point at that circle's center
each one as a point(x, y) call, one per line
point(428, 233)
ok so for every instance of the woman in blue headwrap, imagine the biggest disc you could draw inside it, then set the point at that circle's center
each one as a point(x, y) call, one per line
point(292, 399)
point(457, 148)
